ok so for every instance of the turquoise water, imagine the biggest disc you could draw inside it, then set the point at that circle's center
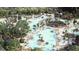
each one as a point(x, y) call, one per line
point(34, 21)
point(47, 34)
point(76, 33)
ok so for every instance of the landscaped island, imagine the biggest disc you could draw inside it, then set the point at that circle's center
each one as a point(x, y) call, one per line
point(39, 29)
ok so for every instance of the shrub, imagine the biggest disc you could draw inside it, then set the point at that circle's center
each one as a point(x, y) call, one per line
point(21, 40)
point(12, 45)
point(1, 42)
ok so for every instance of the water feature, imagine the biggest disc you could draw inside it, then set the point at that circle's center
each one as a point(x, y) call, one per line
point(46, 35)
point(76, 33)
point(34, 21)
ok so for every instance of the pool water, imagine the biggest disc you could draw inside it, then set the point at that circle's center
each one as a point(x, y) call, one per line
point(76, 33)
point(47, 34)
point(34, 21)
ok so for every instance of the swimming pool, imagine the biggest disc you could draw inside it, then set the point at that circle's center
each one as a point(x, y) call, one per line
point(48, 35)
point(34, 21)
point(76, 33)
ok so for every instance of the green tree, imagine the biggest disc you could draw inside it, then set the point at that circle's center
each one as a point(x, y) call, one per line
point(73, 48)
point(1, 42)
point(12, 45)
